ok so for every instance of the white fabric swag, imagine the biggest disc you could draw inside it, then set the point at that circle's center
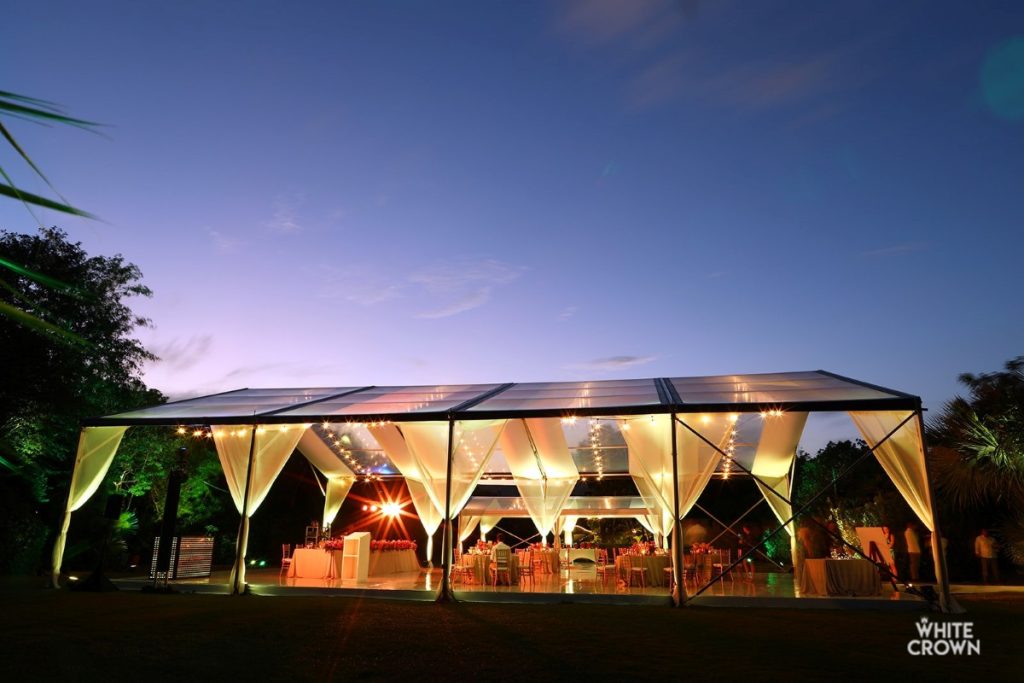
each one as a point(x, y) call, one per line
point(425, 456)
point(901, 456)
point(339, 477)
point(650, 462)
point(429, 513)
point(773, 462)
point(467, 524)
point(568, 525)
point(271, 449)
point(96, 449)
point(542, 467)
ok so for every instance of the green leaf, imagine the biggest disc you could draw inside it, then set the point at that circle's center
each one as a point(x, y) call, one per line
point(36, 113)
point(39, 324)
point(29, 198)
point(28, 160)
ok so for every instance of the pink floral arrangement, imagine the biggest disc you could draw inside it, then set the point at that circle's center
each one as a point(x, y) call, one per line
point(388, 546)
point(700, 548)
point(642, 548)
point(334, 544)
point(586, 545)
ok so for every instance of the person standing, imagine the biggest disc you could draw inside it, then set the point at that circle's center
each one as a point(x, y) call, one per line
point(985, 551)
point(913, 542)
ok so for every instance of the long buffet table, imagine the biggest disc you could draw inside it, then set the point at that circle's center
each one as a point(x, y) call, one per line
point(315, 563)
point(852, 577)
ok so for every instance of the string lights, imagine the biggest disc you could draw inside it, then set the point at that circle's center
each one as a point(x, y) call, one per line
point(595, 444)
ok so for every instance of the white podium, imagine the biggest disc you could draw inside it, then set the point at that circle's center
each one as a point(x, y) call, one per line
point(355, 559)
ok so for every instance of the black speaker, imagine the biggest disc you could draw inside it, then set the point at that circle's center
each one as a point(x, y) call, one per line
point(163, 556)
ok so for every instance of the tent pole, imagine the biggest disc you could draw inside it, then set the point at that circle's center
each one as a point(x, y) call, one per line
point(679, 591)
point(243, 526)
point(445, 595)
point(938, 554)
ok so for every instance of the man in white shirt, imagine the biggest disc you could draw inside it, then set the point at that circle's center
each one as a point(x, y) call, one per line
point(985, 550)
point(501, 557)
point(913, 550)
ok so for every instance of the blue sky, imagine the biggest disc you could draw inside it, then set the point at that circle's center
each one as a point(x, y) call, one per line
point(376, 193)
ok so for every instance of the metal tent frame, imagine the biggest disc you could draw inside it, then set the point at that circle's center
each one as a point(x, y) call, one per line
point(807, 391)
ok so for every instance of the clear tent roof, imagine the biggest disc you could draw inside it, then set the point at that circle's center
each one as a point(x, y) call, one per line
point(810, 390)
point(588, 410)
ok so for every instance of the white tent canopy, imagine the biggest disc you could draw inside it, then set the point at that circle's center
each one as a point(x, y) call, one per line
point(425, 432)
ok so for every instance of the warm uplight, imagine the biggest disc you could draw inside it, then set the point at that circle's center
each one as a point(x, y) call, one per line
point(198, 433)
point(391, 509)
point(182, 431)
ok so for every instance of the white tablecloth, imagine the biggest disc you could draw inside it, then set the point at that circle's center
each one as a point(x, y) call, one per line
point(583, 554)
point(480, 565)
point(393, 562)
point(655, 565)
point(546, 560)
point(840, 577)
point(314, 563)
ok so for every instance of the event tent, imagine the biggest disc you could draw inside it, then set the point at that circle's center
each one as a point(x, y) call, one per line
point(677, 433)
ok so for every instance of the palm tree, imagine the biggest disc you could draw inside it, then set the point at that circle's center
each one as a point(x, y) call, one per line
point(978, 459)
point(43, 112)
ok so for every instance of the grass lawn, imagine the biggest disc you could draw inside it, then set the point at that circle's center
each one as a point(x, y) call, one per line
point(51, 635)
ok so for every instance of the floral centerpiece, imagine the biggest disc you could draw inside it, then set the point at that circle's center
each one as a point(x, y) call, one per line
point(642, 548)
point(391, 546)
point(481, 548)
point(700, 548)
point(333, 544)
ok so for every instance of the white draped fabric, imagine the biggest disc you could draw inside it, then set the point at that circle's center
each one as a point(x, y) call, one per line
point(650, 462)
point(339, 477)
point(542, 466)
point(488, 522)
point(96, 449)
point(427, 509)
point(773, 461)
point(901, 456)
point(568, 524)
point(467, 524)
point(423, 457)
point(272, 447)
point(334, 496)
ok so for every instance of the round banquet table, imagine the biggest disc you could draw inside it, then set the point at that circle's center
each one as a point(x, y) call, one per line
point(655, 565)
point(480, 564)
point(547, 559)
point(852, 577)
point(393, 562)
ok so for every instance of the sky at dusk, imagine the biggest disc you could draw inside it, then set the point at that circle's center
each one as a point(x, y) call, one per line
point(351, 193)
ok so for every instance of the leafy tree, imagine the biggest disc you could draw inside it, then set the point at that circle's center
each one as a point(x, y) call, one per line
point(978, 457)
point(50, 381)
point(864, 497)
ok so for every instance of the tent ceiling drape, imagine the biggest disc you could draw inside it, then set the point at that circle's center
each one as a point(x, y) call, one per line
point(340, 477)
point(542, 466)
point(773, 461)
